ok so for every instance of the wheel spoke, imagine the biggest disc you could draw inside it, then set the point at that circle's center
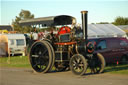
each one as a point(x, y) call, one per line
point(36, 56)
point(78, 60)
point(35, 65)
point(94, 70)
point(44, 52)
point(40, 65)
point(74, 62)
point(78, 69)
point(75, 67)
point(81, 65)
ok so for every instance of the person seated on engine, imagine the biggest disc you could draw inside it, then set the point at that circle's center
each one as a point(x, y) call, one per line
point(78, 31)
point(51, 35)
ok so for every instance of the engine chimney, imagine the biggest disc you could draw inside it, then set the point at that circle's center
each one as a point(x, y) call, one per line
point(84, 24)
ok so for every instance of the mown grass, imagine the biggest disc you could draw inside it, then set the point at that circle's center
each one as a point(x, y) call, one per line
point(23, 62)
point(117, 69)
point(17, 61)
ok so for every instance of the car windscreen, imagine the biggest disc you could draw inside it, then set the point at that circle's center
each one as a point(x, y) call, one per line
point(20, 42)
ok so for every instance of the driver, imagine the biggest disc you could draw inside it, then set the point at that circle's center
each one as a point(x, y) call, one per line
point(78, 31)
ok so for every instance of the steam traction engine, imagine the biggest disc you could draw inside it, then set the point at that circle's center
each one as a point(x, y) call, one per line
point(65, 50)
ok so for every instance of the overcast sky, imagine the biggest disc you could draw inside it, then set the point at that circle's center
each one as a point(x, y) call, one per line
point(98, 10)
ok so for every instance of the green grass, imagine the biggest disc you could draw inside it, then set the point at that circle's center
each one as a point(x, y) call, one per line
point(120, 69)
point(23, 62)
point(18, 61)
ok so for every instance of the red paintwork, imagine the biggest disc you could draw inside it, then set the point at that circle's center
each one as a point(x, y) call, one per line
point(64, 30)
point(65, 43)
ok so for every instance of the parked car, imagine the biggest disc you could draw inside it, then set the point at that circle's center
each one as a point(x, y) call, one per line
point(114, 50)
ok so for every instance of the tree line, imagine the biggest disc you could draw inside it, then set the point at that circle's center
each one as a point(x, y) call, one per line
point(26, 14)
point(118, 21)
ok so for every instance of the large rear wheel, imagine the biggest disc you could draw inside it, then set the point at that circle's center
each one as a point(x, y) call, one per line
point(99, 64)
point(40, 56)
point(78, 64)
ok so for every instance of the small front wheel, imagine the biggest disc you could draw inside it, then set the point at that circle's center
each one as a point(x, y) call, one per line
point(78, 64)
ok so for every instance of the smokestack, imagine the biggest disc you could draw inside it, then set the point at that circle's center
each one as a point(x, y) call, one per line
point(84, 24)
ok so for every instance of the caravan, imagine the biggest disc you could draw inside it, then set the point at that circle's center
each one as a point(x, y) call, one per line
point(12, 44)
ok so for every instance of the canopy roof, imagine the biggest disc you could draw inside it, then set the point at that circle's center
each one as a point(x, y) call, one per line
point(49, 21)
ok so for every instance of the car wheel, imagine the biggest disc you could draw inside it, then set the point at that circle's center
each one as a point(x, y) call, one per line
point(124, 60)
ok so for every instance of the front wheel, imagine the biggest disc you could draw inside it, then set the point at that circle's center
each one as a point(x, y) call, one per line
point(78, 64)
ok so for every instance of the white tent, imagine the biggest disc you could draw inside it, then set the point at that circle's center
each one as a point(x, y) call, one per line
point(92, 34)
point(104, 30)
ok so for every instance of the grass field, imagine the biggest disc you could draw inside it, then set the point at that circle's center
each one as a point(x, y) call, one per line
point(18, 61)
point(120, 69)
point(23, 62)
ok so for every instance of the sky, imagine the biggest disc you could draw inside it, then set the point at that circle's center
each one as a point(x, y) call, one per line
point(98, 10)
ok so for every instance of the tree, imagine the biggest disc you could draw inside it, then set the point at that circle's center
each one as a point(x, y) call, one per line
point(121, 21)
point(24, 14)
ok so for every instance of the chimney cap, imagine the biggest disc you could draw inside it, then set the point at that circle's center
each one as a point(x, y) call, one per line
point(84, 12)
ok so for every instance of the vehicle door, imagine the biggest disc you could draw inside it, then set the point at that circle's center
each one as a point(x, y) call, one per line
point(11, 46)
point(114, 45)
point(102, 47)
point(123, 50)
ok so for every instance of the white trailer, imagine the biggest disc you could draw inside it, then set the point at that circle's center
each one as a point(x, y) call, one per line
point(11, 44)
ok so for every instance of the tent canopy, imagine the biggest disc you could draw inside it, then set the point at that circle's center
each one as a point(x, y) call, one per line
point(105, 30)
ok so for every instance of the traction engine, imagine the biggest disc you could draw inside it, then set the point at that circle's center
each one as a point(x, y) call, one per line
point(66, 51)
